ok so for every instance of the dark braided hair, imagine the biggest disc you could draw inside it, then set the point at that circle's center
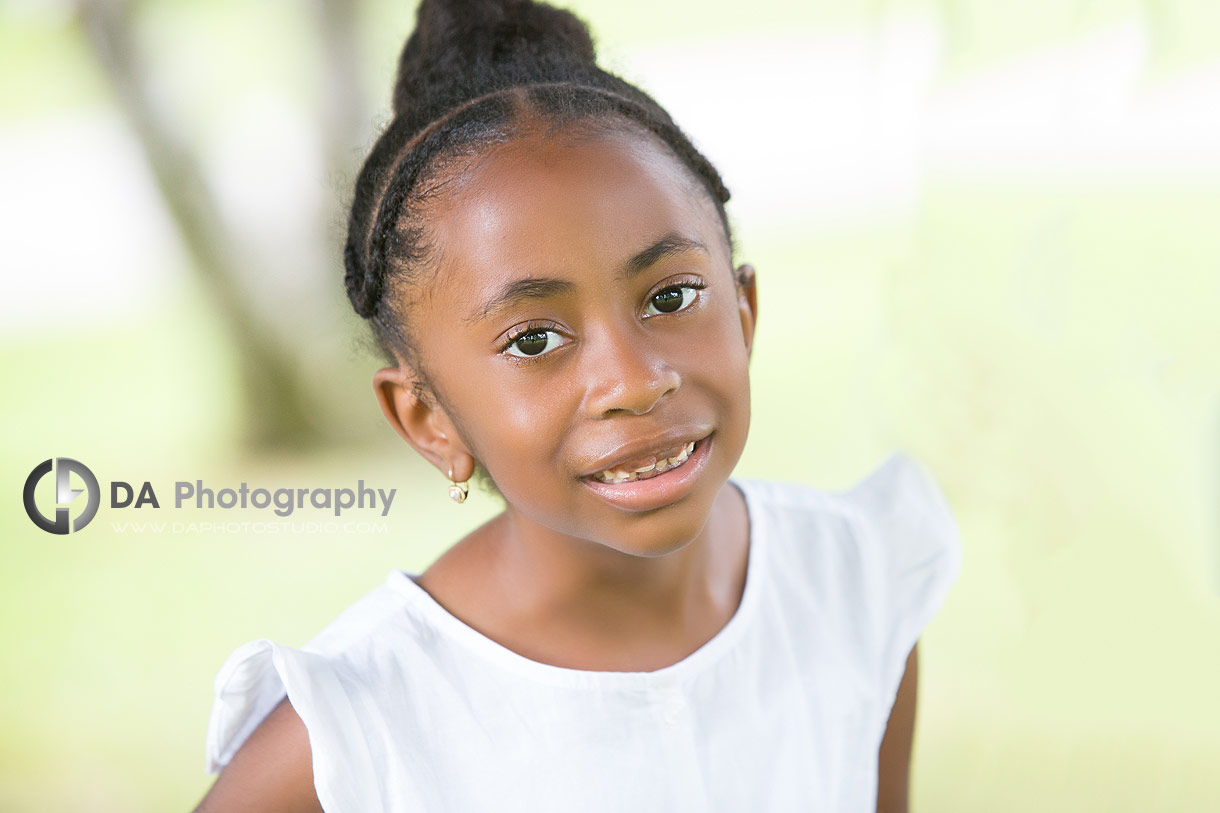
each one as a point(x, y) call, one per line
point(473, 73)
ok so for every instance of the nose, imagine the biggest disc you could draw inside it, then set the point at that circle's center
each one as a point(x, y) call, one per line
point(628, 373)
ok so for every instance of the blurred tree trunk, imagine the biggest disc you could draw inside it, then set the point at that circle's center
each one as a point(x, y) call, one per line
point(290, 396)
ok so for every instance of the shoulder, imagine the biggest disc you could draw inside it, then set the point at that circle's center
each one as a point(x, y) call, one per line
point(276, 692)
point(906, 526)
point(354, 626)
point(271, 771)
point(876, 556)
point(895, 511)
point(806, 533)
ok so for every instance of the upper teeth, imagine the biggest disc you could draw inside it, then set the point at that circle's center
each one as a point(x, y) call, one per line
point(659, 465)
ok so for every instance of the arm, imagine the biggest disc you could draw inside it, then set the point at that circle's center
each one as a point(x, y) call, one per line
point(272, 772)
point(894, 766)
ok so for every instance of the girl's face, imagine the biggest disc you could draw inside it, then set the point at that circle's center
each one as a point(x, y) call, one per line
point(584, 315)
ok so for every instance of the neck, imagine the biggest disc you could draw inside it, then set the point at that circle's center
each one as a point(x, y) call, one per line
point(578, 589)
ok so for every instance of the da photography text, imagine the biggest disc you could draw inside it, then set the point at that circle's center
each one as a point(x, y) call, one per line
point(282, 501)
point(73, 514)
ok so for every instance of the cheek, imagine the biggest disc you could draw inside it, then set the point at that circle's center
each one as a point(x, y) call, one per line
point(521, 417)
point(720, 367)
point(505, 418)
point(720, 349)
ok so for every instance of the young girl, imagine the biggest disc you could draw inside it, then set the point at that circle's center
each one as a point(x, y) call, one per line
point(546, 262)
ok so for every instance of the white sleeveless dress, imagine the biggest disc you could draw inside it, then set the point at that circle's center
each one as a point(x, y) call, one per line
point(410, 709)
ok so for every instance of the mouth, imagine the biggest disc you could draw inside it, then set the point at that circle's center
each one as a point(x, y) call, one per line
point(655, 480)
point(646, 467)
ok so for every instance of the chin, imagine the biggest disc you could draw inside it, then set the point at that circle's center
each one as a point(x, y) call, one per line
point(665, 530)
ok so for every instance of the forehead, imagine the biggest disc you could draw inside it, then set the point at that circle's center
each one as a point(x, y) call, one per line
point(555, 204)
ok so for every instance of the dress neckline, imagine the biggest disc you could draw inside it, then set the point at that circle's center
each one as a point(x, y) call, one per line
point(668, 676)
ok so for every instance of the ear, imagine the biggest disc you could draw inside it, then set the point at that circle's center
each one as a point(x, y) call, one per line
point(424, 425)
point(747, 303)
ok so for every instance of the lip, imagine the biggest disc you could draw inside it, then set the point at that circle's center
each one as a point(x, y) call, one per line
point(654, 445)
point(659, 491)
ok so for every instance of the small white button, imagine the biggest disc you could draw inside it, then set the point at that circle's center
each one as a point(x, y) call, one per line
point(672, 711)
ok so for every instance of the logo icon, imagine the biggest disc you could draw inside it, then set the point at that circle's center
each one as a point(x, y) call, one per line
point(64, 495)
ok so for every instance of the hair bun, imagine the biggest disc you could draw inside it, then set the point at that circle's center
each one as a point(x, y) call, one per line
point(453, 38)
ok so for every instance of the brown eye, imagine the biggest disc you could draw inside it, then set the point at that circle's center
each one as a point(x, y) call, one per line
point(533, 343)
point(672, 300)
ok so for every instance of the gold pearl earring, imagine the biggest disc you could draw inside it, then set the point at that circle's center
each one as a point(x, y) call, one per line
point(457, 491)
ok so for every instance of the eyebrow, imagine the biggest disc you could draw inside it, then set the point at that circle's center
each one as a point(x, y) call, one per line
point(543, 287)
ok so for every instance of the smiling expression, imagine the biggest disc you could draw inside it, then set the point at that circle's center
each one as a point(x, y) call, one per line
point(584, 316)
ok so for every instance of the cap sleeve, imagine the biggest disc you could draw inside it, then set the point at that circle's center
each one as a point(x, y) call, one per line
point(915, 548)
point(253, 680)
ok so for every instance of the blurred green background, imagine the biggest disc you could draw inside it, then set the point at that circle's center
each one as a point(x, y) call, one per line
point(985, 232)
